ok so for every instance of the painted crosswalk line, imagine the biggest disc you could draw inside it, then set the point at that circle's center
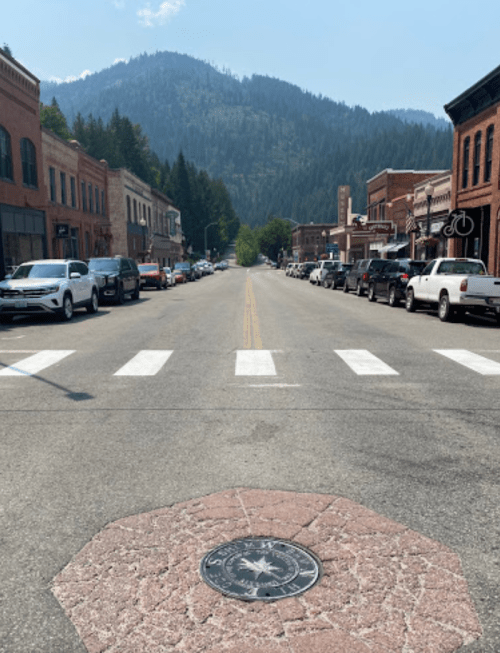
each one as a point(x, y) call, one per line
point(254, 362)
point(37, 362)
point(364, 363)
point(473, 361)
point(147, 362)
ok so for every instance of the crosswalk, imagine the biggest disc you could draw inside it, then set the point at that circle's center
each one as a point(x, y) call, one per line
point(249, 363)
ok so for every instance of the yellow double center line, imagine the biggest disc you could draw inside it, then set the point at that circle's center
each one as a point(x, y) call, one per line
point(250, 319)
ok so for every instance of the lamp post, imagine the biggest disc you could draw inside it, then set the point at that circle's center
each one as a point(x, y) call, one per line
point(144, 227)
point(429, 192)
point(323, 233)
point(208, 225)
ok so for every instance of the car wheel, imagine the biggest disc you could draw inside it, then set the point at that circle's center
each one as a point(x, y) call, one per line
point(136, 293)
point(325, 284)
point(6, 319)
point(359, 291)
point(445, 310)
point(334, 284)
point(392, 299)
point(93, 307)
point(67, 309)
point(371, 293)
point(346, 287)
point(411, 302)
point(120, 297)
point(159, 286)
point(497, 317)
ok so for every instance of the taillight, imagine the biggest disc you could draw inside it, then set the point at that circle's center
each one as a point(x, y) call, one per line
point(366, 276)
point(405, 276)
point(463, 285)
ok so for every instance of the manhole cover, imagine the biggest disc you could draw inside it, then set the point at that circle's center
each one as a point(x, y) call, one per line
point(260, 569)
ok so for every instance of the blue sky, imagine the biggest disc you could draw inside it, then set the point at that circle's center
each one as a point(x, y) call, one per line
point(379, 55)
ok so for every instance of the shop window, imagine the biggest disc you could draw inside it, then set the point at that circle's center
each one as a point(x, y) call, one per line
point(465, 163)
point(52, 181)
point(477, 158)
point(63, 188)
point(488, 153)
point(5, 156)
point(28, 159)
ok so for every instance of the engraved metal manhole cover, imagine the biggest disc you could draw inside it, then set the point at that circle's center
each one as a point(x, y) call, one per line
point(260, 569)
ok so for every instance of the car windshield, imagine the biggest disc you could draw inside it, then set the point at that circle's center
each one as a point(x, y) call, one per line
point(167, 270)
point(41, 271)
point(416, 268)
point(104, 266)
point(378, 264)
point(182, 266)
point(148, 268)
point(460, 267)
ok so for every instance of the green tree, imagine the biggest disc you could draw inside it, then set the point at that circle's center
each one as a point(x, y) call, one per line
point(52, 118)
point(274, 237)
point(247, 246)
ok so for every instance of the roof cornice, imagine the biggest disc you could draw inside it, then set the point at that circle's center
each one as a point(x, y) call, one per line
point(482, 95)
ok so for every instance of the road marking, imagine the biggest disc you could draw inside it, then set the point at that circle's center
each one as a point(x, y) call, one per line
point(36, 363)
point(251, 362)
point(364, 363)
point(272, 385)
point(250, 319)
point(147, 362)
point(474, 362)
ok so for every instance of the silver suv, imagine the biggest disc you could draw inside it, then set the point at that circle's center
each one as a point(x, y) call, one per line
point(48, 286)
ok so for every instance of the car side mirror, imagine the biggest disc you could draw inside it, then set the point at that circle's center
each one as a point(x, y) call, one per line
point(75, 275)
point(8, 276)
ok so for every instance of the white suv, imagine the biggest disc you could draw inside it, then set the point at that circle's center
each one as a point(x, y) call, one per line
point(48, 286)
point(318, 275)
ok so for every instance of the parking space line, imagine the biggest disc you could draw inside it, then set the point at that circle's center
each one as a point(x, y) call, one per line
point(147, 362)
point(36, 363)
point(364, 363)
point(473, 361)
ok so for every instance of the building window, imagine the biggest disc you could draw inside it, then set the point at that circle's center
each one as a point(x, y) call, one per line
point(63, 188)
point(488, 154)
point(129, 216)
point(5, 155)
point(52, 181)
point(381, 211)
point(97, 210)
point(135, 211)
point(149, 217)
point(28, 159)
point(144, 212)
point(84, 197)
point(103, 204)
point(73, 192)
point(477, 158)
point(465, 163)
point(91, 201)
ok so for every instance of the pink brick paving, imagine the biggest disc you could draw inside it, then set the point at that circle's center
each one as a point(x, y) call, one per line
point(136, 587)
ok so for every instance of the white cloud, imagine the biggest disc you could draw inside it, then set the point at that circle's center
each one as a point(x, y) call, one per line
point(70, 78)
point(148, 17)
point(118, 60)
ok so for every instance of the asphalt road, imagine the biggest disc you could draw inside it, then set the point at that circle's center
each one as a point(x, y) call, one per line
point(82, 446)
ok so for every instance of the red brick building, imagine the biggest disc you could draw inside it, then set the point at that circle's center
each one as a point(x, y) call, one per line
point(476, 171)
point(23, 234)
point(309, 241)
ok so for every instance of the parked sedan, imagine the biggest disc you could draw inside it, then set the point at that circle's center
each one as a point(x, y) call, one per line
point(335, 278)
point(390, 282)
point(152, 275)
point(170, 276)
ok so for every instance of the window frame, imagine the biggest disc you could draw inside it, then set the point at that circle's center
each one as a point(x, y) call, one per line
point(6, 164)
point(465, 162)
point(28, 162)
point(488, 153)
point(62, 178)
point(477, 158)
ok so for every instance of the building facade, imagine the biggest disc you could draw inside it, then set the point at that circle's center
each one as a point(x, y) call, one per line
point(311, 241)
point(475, 194)
point(431, 208)
point(23, 229)
point(166, 234)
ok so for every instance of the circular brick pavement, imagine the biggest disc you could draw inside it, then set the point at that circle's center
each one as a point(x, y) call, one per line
point(136, 587)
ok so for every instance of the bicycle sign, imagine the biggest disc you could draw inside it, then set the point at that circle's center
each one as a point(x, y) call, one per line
point(460, 225)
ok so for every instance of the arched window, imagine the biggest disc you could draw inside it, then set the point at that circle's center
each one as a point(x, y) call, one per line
point(465, 163)
point(129, 216)
point(488, 156)
point(5, 155)
point(477, 158)
point(28, 159)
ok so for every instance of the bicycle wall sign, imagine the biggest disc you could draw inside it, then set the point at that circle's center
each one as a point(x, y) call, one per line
point(459, 225)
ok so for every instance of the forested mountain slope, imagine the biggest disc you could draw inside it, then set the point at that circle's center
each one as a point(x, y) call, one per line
point(279, 149)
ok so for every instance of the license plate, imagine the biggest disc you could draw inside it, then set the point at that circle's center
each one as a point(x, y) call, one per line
point(20, 304)
point(495, 301)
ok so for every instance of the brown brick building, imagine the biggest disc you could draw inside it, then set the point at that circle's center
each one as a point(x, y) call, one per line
point(309, 241)
point(476, 171)
point(23, 234)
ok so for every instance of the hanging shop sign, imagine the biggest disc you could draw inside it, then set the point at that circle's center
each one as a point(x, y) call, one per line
point(459, 225)
point(367, 228)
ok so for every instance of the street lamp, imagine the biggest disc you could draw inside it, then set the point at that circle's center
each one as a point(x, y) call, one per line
point(143, 224)
point(208, 225)
point(323, 233)
point(429, 192)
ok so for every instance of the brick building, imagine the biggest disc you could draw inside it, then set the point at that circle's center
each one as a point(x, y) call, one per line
point(309, 241)
point(166, 234)
point(23, 234)
point(76, 183)
point(435, 208)
point(476, 171)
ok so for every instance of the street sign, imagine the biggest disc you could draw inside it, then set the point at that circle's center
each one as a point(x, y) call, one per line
point(332, 248)
point(62, 230)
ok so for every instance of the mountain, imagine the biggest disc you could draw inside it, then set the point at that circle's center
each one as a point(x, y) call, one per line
point(419, 117)
point(279, 149)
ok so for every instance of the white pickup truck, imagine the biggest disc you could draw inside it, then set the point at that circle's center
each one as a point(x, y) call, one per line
point(455, 285)
point(318, 274)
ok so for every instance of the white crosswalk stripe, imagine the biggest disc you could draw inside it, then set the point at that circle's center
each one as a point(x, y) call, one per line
point(37, 362)
point(364, 363)
point(479, 364)
point(254, 362)
point(146, 363)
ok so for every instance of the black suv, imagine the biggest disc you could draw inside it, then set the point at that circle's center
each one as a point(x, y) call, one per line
point(117, 277)
point(390, 282)
point(360, 274)
point(306, 269)
point(335, 278)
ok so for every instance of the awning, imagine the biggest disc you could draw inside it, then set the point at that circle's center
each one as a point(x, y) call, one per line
point(393, 247)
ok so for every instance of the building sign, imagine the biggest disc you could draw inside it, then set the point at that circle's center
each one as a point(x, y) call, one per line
point(343, 195)
point(332, 248)
point(459, 225)
point(375, 227)
point(62, 230)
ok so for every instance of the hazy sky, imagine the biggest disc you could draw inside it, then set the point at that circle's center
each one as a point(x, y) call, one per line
point(379, 55)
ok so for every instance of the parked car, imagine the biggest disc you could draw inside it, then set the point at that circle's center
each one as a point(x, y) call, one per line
point(152, 275)
point(170, 276)
point(288, 269)
point(307, 268)
point(55, 286)
point(391, 281)
point(360, 274)
point(179, 276)
point(319, 272)
point(120, 277)
point(187, 268)
point(335, 278)
point(293, 269)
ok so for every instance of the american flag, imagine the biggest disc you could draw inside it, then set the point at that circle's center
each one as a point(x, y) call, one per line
point(411, 225)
